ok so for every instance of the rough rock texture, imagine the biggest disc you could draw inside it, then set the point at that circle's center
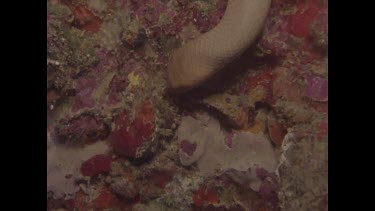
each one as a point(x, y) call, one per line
point(133, 138)
point(83, 128)
point(105, 59)
point(214, 154)
point(124, 187)
point(303, 179)
point(228, 105)
point(63, 166)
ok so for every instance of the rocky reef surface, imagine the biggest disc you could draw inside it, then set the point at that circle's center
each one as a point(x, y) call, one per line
point(118, 141)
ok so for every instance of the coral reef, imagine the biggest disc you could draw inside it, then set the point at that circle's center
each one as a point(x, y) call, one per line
point(116, 140)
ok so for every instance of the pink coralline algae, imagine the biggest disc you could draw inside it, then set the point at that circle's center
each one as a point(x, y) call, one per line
point(107, 60)
point(84, 87)
point(83, 128)
point(188, 147)
point(317, 88)
point(160, 18)
point(269, 186)
point(118, 84)
point(132, 138)
point(86, 84)
point(153, 8)
point(268, 191)
point(275, 32)
point(153, 12)
point(229, 139)
point(106, 57)
point(261, 173)
point(96, 165)
point(299, 23)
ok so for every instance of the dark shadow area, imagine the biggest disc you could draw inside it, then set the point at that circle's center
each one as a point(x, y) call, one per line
point(220, 82)
point(227, 76)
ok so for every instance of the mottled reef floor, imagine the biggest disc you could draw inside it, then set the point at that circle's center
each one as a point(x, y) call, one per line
point(253, 139)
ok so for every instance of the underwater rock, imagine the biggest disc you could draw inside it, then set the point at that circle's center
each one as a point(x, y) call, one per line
point(191, 132)
point(319, 30)
point(134, 137)
point(294, 113)
point(207, 14)
point(317, 88)
point(59, 86)
point(159, 178)
point(303, 172)
point(86, 20)
point(187, 147)
point(179, 192)
point(286, 85)
point(105, 199)
point(84, 87)
point(53, 98)
point(124, 187)
point(276, 130)
point(150, 206)
point(268, 191)
point(63, 166)
point(118, 84)
point(86, 127)
point(217, 208)
point(114, 56)
point(150, 192)
point(205, 195)
point(98, 5)
point(247, 151)
point(228, 105)
point(134, 38)
point(96, 165)
point(275, 34)
point(300, 22)
point(258, 88)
